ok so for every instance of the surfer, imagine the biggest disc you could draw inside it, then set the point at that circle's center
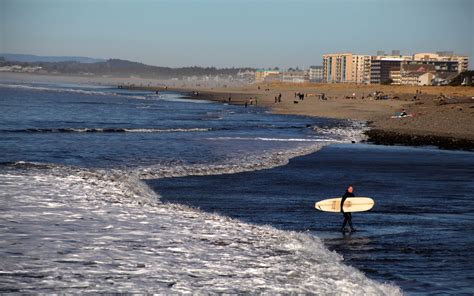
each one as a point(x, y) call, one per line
point(347, 216)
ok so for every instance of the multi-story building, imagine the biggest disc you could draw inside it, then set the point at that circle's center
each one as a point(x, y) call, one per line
point(460, 62)
point(260, 75)
point(316, 73)
point(380, 69)
point(440, 66)
point(361, 69)
point(337, 67)
point(346, 67)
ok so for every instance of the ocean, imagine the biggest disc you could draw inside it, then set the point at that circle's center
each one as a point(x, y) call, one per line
point(112, 190)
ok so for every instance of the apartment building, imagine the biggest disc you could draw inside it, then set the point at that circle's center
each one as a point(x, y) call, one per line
point(337, 67)
point(361, 68)
point(346, 67)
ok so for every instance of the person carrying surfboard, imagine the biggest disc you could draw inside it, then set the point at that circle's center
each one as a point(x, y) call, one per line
point(347, 215)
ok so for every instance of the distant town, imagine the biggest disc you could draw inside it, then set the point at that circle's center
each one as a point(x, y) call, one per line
point(440, 68)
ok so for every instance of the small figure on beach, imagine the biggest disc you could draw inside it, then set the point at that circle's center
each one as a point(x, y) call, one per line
point(347, 216)
point(230, 99)
point(279, 98)
point(403, 113)
point(246, 103)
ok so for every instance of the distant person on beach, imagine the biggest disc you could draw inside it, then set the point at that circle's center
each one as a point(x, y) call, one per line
point(403, 113)
point(347, 216)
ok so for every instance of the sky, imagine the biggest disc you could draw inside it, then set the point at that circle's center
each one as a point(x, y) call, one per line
point(234, 33)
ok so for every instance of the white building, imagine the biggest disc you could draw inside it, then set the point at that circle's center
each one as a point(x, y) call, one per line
point(316, 73)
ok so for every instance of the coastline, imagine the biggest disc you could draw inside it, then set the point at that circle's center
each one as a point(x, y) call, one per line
point(443, 115)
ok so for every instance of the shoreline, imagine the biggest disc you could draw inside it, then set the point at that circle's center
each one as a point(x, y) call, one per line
point(443, 116)
point(384, 130)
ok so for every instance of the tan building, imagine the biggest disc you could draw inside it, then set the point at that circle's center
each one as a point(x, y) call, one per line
point(260, 75)
point(337, 67)
point(346, 67)
point(462, 61)
point(361, 69)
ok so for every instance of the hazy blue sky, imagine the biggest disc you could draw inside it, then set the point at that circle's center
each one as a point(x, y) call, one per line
point(232, 32)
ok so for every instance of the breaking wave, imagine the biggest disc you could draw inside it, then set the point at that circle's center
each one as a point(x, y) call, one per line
point(78, 230)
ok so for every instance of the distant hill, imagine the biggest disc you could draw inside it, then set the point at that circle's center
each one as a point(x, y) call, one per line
point(29, 58)
point(124, 68)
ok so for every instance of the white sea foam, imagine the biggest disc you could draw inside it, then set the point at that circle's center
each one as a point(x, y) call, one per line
point(277, 139)
point(179, 98)
point(354, 131)
point(168, 130)
point(69, 231)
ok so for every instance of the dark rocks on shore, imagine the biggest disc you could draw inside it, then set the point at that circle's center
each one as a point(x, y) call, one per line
point(382, 137)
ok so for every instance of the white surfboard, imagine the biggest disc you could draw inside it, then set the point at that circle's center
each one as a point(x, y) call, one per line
point(352, 204)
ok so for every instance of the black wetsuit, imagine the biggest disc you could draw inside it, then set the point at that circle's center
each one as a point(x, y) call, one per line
point(347, 216)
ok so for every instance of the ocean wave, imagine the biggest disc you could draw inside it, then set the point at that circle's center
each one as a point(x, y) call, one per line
point(71, 90)
point(242, 163)
point(326, 140)
point(105, 130)
point(112, 231)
